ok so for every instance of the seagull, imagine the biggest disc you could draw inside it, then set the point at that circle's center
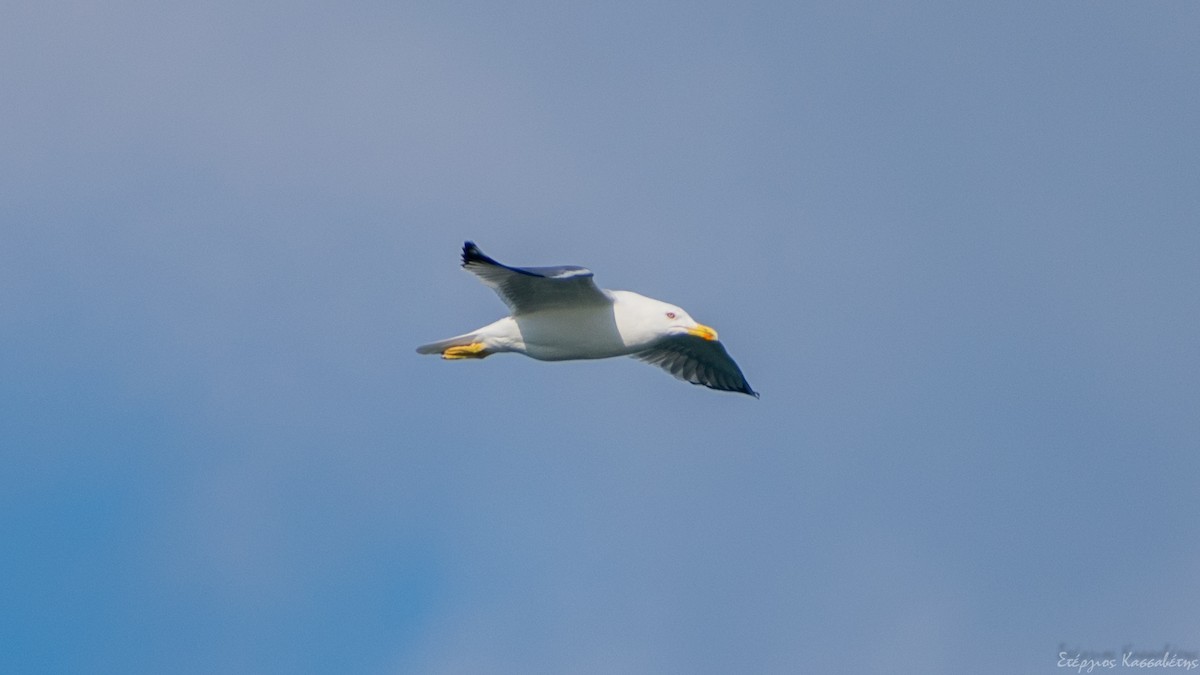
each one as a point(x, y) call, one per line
point(559, 314)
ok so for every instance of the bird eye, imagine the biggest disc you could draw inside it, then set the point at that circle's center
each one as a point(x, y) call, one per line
point(670, 315)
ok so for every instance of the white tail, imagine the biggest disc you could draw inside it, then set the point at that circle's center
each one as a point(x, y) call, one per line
point(441, 345)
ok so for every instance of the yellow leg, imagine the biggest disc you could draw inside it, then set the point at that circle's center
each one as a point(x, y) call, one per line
point(475, 350)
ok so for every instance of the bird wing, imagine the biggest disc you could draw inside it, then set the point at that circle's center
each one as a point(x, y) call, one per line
point(531, 289)
point(698, 361)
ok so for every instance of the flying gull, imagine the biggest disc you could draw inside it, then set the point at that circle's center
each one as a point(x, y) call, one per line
point(559, 314)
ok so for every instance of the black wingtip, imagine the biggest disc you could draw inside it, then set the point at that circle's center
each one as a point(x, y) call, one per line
point(471, 253)
point(747, 390)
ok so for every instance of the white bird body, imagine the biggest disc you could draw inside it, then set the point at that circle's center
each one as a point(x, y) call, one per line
point(567, 333)
point(558, 314)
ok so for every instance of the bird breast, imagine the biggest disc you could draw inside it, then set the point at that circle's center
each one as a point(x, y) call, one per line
point(563, 334)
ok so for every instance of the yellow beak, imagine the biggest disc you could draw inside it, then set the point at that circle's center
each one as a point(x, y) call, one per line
point(702, 331)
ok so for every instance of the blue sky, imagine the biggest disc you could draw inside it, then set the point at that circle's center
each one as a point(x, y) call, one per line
point(953, 246)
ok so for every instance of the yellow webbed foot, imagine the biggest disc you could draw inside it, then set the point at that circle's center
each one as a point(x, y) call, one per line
point(475, 350)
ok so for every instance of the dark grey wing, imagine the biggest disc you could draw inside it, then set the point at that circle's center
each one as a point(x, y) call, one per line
point(698, 361)
point(530, 289)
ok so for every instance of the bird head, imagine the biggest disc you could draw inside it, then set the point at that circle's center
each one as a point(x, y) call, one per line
point(680, 322)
